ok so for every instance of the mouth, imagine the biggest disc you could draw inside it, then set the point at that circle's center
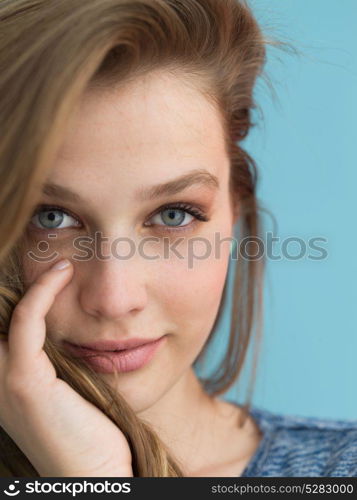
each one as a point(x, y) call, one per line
point(117, 360)
point(113, 345)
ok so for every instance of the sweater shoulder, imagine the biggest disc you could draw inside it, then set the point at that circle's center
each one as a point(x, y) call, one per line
point(294, 445)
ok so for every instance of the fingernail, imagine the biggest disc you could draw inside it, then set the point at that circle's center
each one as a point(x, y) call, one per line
point(61, 264)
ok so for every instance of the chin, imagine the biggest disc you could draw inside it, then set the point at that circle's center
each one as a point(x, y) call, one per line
point(138, 400)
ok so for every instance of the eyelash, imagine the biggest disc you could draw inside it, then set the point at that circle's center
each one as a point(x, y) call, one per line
point(195, 211)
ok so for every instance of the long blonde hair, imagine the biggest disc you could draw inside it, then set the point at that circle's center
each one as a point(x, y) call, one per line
point(50, 52)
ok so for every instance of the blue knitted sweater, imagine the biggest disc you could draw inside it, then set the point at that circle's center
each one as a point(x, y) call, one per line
point(303, 446)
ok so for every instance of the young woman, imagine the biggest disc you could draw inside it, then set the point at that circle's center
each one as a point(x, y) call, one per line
point(120, 155)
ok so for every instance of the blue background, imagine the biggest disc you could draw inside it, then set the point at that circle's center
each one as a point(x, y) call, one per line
point(305, 151)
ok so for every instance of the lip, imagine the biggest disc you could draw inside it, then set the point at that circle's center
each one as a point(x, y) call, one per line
point(114, 345)
point(133, 353)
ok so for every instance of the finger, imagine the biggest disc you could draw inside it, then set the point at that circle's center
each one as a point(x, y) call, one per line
point(27, 331)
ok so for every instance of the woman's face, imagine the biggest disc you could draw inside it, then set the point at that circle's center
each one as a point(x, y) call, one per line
point(118, 146)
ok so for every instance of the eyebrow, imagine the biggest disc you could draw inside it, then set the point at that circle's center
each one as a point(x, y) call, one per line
point(195, 177)
point(57, 191)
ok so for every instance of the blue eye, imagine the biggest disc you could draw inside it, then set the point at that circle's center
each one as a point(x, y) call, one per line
point(172, 216)
point(53, 218)
point(169, 217)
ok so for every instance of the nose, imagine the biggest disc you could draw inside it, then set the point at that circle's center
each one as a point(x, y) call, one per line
point(112, 289)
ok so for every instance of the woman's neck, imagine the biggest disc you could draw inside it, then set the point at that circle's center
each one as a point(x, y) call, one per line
point(201, 431)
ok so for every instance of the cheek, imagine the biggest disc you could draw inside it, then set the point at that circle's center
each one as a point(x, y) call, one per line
point(64, 300)
point(32, 271)
point(192, 295)
point(203, 285)
point(39, 254)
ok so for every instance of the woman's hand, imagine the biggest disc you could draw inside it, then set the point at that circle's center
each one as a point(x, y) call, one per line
point(61, 433)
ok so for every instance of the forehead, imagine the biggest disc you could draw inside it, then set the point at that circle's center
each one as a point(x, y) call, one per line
point(148, 131)
point(157, 112)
